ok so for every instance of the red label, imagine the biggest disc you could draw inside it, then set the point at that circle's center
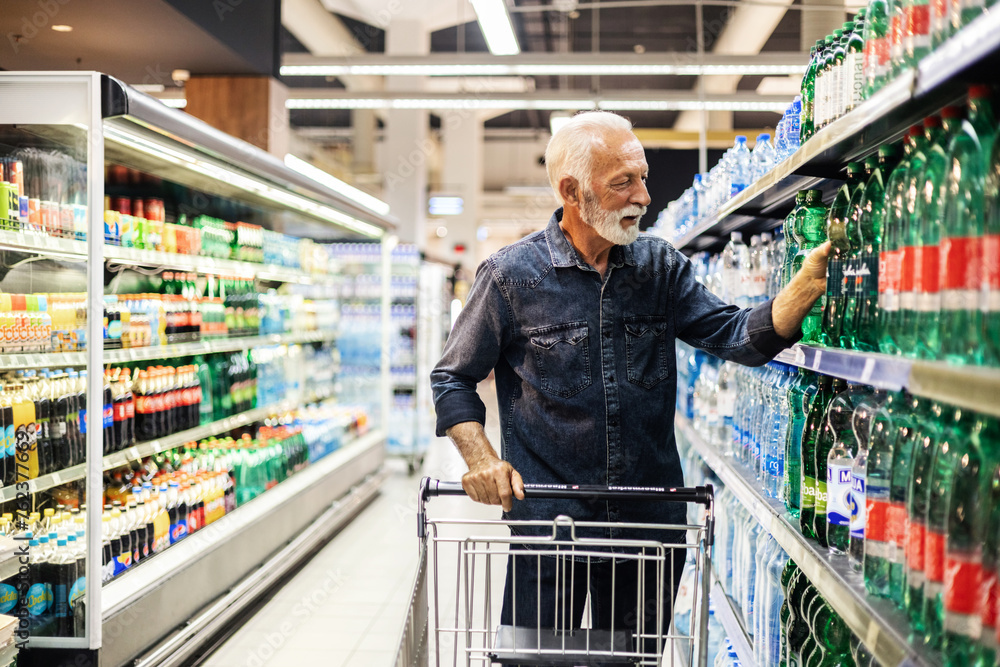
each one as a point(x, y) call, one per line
point(896, 526)
point(119, 412)
point(130, 408)
point(909, 254)
point(144, 405)
point(940, 13)
point(890, 265)
point(882, 51)
point(915, 545)
point(934, 556)
point(963, 577)
point(896, 32)
point(991, 261)
point(989, 591)
point(959, 263)
point(918, 20)
point(876, 517)
point(925, 270)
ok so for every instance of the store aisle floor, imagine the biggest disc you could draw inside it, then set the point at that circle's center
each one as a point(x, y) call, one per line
point(347, 606)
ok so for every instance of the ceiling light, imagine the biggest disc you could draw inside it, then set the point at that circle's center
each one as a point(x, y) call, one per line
point(542, 69)
point(497, 29)
point(472, 103)
point(354, 194)
point(174, 102)
point(445, 206)
point(62, 28)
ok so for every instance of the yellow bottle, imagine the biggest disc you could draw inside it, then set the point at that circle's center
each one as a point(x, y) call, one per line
point(25, 434)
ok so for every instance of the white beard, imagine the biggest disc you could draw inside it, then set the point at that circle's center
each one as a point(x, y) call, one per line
point(608, 224)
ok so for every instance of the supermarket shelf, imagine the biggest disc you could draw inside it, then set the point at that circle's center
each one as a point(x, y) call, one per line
point(8, 654)
point(69, 359)
point(143, 449)
point(726, 612)
point(881, 627)
point(964, 386)
point(940, 79)
point(8, 568)
point(72, 249)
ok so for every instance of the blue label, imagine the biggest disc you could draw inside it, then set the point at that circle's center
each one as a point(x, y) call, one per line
point(8, 435)
point(8, 598)
point(83, 420)
point(109, 417)
point(77, 590)
point(38, 599)
point(856, 502)
point(178, 531)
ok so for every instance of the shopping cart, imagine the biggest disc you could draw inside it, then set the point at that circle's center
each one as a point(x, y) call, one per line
point(454, 617)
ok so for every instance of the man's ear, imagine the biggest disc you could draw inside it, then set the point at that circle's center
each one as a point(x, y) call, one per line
point(569, 190)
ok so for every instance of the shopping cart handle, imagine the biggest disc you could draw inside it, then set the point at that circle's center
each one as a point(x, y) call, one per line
point(703, 495)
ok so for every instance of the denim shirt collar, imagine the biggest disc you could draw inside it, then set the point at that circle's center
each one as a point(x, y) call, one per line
point(564, 255)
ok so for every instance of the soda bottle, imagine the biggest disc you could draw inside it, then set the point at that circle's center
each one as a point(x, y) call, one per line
point(813, 235)
point(836, 424)
point(925, 447)
point(866, 317)
point(953, 445)
point(791, 242)
point(903, 334)
point(63, 567)
point(906, 421)
point(960, 606)
point(853, 73)
point(891, 258)
point(808, 93)
point(916, 31)
point(961, 240)
point(801, 594)
point(876, 53)
point(878, 548)
point(833, 638)
point(853, 278)
point(811, 653)
point(810, 435)
point(25, 433)
point(989, 298)
point(39, 393)
point(928, 219)
point(838, 221)
point(897, 32)
point(799, 398)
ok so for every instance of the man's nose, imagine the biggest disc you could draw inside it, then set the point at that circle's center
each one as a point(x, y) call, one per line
point(641, 196)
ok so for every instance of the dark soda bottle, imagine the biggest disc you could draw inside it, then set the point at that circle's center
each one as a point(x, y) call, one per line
point(866, 316)
point(925, 446)
point(836, 419)
point(38, 391)
point(838, 221)
point(810, 437)
point(853, 278)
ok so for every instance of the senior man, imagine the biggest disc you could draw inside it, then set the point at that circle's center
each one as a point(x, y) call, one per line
point(578, 322)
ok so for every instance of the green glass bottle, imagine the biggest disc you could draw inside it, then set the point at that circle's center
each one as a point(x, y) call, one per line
point(866, 317)
point(853, 279)
point(813, 236)
point(987, 653)
point(810, 438)
point(828, 84)
point(819, 104)
point(953, 446)
point(853, 74)
point(791, 238)
point(928, 218)
point(876, 37)
point(788, 574)
point(836, 420)
point(808, 93)
point(897, 30)
point(916, 31)
point(961, 244)
point(958, 609)
point(989, 302)
point(925, 446)
point(800, 398)
point(982, 118)
point(838, 74)
point(891, 257)
point(810, 603)
point(833, 637)
point(878, 546)
point(838, 221)
point(909, 418)
point(903, 334)
point(970, 10)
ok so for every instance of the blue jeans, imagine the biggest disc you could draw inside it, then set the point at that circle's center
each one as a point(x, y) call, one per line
point(561, 606)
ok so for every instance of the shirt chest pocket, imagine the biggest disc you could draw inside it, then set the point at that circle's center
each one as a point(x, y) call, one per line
point(562, 357)
point(648, 353)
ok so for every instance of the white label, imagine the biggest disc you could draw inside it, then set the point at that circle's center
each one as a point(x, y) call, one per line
point(889, 301)
point(855, 64)
point(928, 302)
point(960, 300)
point(989, 301)
point(838, 494)
point(837, 93)
point(819, 97)
point(908, 301)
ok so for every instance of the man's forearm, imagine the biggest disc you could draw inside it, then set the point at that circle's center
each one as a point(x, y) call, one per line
point(472, 443)
point(794, 302)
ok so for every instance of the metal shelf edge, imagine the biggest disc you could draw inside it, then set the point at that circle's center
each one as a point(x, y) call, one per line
point(879, 625)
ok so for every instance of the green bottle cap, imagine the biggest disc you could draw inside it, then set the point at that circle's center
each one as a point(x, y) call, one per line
point(837, 34)
point(853, 168)
point(887, 151)
point(847, 26)
point(871, 162)
point(861, 13)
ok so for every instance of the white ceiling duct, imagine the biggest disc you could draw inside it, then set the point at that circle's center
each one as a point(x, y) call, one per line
point(325, 35)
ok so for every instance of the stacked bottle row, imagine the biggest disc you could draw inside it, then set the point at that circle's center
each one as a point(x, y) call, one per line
point(43, 191)
point(887, 478)
point(915, 261)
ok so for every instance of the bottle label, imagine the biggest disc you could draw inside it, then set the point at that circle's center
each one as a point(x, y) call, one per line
point(906, 282)
point(934, 546)
point(834, 277)
point(890, 267)
point(38, 599)
point(915, 545)
point(808, 492)
point(858, 507)
point(963, 582)
point(990, 301)
point(896, 28)
point(77, 591)
point(838, 488)
point(855, 65)
point(918, 25)
point(868, 274)
point(988, 593)
point(821, 497)
point(877, 525)
point(959, 271)
point(8, 598)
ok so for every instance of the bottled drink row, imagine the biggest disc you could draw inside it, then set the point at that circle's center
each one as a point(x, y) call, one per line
point(905, 486)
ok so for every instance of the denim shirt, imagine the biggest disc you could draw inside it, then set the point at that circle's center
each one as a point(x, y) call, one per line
point(585, 367)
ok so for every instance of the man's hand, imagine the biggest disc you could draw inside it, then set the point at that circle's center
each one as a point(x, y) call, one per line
point(494, 482)
point(794, 302)
point(814, 265)
point(490, 479)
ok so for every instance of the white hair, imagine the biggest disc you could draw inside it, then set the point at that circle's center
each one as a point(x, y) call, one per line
point(570, 151)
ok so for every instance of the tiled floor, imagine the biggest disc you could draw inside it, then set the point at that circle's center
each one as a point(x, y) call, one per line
point(347, 606)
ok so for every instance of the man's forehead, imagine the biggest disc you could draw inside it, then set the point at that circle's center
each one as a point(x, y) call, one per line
point(620, 151)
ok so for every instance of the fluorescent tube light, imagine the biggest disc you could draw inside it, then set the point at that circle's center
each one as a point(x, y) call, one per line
point(494, 21)
point(542, 105)
point(541, 69)
point(371, 203)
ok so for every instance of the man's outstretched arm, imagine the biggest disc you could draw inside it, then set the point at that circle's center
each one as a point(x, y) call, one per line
point(490, 479)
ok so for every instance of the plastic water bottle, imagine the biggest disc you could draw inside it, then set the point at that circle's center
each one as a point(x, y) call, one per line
point(701, 203)
point(735, 262)
point(762, 160)
point(740, 167)
point(794, 125)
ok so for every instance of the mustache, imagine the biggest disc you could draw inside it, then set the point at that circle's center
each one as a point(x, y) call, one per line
point(632, 212)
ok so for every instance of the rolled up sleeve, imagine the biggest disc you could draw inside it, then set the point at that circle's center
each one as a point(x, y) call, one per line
point(745, 336)
point(472, 351)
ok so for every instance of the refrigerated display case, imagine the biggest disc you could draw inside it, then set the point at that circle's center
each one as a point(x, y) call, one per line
point(192, 319)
